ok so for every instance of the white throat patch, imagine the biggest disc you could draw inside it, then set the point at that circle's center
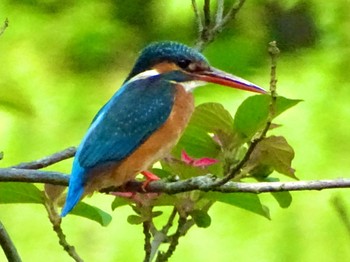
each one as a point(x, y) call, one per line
point(190, 85)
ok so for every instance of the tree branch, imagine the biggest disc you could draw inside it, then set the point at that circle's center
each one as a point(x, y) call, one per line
point(210, 29)
point(33, 176)
point(48, 160)
point(204, 183)
point(147, 246)
point(8, 246)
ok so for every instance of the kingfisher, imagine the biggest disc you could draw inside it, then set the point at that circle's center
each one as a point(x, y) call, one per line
point(144, 119)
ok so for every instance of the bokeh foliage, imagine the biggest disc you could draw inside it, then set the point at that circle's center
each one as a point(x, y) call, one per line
point(61, 60)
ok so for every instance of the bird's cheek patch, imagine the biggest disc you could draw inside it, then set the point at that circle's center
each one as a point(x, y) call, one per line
point(165, 67)
point(144, 75)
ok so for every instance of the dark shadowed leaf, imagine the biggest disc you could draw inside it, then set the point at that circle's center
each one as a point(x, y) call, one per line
point(92, 213)
point(11, 192)
point(274, 151)
point(201, 218)
point(1, 155)
point(247, 201)
point(252, 114)
point(284, 199)
point(157, 213)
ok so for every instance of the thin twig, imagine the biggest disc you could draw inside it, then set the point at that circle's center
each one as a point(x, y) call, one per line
point(169, 224)
point(210, 30)
point(162, 257)
point(231, 14)
point(219, 11)
point(161, 236)
point(147, 246)
point(8, 246)
point(3, 28)
point(48, 160)
point(206, 9)
point(56, 220)
point(197, 16)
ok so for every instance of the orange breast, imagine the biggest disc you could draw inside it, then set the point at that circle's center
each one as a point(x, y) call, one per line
point(154, 148)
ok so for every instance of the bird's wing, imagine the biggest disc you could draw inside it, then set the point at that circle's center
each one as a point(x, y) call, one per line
point(128, 119)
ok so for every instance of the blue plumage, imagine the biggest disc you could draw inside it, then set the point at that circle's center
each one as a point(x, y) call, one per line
point(129, 118)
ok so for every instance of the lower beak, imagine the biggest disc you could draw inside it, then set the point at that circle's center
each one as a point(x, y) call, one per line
point(217, 76)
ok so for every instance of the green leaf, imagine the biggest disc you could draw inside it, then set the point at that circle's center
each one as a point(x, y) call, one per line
point(274, 151)
point(13, 192)
point(1, 155)
point(161, 173)
point(201, 218)
point(119, 201)
point(252, 114)
point(92, 213)
point(135, 220)
point(212, 117)
point(197, 143)
point(208, 118)
point(247, 201)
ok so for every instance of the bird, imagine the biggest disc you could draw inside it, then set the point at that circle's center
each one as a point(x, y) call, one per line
point(144, 119)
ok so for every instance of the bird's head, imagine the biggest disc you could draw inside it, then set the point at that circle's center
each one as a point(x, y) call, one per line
point(184, 65)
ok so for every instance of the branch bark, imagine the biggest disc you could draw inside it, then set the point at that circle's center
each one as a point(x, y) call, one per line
point(48, 160)
point(203, 183)
point(8, 246)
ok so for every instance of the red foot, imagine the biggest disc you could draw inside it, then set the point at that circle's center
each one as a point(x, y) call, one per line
point(149, 178)
point(199, 162)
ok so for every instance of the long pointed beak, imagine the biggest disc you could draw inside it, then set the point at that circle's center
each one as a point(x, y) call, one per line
point(217, 76)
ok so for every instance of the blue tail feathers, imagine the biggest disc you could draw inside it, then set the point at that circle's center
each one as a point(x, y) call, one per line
point(75, 189)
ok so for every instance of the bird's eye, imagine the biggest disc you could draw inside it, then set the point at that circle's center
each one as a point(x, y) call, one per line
point(184, 63)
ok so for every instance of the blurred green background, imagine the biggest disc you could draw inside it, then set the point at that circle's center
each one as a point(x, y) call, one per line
point(60, 61)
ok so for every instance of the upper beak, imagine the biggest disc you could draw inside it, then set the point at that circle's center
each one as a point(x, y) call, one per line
point(217, 76)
